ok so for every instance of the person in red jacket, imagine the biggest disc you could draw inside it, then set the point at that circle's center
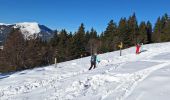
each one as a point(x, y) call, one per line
point(137, 48)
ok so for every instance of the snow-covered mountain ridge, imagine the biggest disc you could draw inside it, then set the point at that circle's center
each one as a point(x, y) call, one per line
point(28, 29)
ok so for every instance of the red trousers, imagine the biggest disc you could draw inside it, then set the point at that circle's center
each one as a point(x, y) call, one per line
point(137, 49)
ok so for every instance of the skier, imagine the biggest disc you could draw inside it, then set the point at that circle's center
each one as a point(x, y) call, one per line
point(138, 48)
point(94, 59)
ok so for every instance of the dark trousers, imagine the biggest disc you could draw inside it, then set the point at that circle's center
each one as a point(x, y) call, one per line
point(92, 64)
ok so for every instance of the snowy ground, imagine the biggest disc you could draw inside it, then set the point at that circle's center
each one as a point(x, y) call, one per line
point(130, 77)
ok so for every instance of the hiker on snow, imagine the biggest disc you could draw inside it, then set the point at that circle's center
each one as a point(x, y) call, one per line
point(138, 48)
point(94, 59)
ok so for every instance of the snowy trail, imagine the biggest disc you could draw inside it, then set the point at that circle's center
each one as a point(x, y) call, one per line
point(126, 88)
point(91, 84)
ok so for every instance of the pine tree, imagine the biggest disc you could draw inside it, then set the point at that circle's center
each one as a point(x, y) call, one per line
point(149, 32)
point(92, 46)
point(93, 33)
point(4, 67)
point(110, 30)
point(14, 49)
point(123, 32)
point(165, 35)
point(133, 29)
point(87, 36)
point(142, 37)
point(62, 45)
point(70, 46)
point(54, 40)
point(157, 31)
point(33, 54)
point(79, 41)
point(110, 37)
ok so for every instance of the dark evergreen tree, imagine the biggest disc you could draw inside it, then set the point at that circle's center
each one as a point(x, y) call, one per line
point(149, 32)
point(142, 37)
point(79, 41)
point(157, 31)
point(4, 65)
point(165, 34)
point(133, 29)
point(123, 33)
point(87, 36)
point(92, 46)
point(14, 50)
point(110, 37)
point(33, 54)
point(70, 46)
point(93, 33)
point(55, 39)
point(62, 45)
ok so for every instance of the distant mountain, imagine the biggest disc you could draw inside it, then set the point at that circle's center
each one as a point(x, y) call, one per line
point(28, 29)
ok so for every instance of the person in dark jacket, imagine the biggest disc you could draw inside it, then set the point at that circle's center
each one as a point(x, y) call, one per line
point(94, 59)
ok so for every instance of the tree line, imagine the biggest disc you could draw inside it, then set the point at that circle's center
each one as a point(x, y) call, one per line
point(20, 53)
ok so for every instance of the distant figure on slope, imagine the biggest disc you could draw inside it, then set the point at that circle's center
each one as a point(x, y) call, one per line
point(94, 59)
point(138, 48)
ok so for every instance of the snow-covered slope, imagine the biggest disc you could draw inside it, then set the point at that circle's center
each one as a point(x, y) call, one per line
point(130, 77)
point(28, 29)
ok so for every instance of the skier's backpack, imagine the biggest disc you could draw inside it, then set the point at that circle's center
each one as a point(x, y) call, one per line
point(93, 58)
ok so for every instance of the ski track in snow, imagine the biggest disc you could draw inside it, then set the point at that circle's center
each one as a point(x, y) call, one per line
point(126, 88)
point(90, 84)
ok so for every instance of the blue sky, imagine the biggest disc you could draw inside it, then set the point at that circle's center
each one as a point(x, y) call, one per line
point(68, 14)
